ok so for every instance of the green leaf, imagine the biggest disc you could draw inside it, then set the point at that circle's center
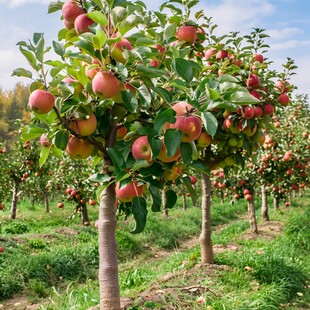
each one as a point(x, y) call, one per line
point(155, 144)
point(100, 178)
point(30, 58)
point(186, 152)
point(40, 49)
point(130, 101)
point(200, 167)
point(32, 132)
point(162, 117)
point(117, 159)
point(210, 122)
point(118, 14)
point(190, 189)
point(58, 48)
point(150, 72)
point(140, 163)
point(99, 39)
point(163, 93)
point(61, 139)
point(54, 6)
point(43, 155)
point(139, 212)
point(183, 68)
point(240, 97)
point(86, 46)
point(98, 17)
point(170, 32)
point(172, 140)
point(171, 198)
point(22, 72)
point(156, 198)
point(129, 23)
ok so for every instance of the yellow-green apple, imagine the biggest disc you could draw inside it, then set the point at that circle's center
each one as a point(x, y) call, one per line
point(105, 84)
point(233, 141)
point(141, 149)
point(44, 141)
point(248, 112)
point(258, 57)
point(182, 108)
point(163, 154)
point(117, 50)
point(226, 113)
point(71, 10)
point(85, 126)
point(173, 173)
point(187, 34)
point(284, 99)
point(204, 139)
point(41, 101)
point(127, 192)
point(190, 127)
point(252, 81)
point(79, 148)
point(268, 109)
point(259, 137)
point(82, 23)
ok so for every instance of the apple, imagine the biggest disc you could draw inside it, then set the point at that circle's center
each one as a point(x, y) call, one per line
point(258, 57)
point(173, 173)
point(182, 108)
point(1, 249)
point(121, 132)
point(248, 197)
point(1, 206)
point(255, 94)
point(221, 54)
point(79, 148)
point(253, 81)
point(82, 23)
point(60, 205)
point(226, 113)
point(163, 154)
point(93, 69)
point(141, 149)
point(44, 140)
point(160, 48)
point(85, 126)
point(209, 52)
point(284, 99)
point(246, 191)
point(117, 50)
point(248, 112)
point(193, 179)
point(236, 196)
point(91, 201)
point(190, 126)
point(129, 191)
point(71, 10)
point(268, 109)
point(187, 34)
point(41, 101)
point(154, 63)
point(204, 139)
point(258, 111)
point(282, 86)
point(105, 84)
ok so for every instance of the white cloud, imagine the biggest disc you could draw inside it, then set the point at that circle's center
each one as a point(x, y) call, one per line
point(16, 3)
point(284, 45)
point(283, 33)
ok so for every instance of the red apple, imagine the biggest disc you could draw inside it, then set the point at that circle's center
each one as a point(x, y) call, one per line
point(91, 201)
point(117, 50)
point(258, 111)
point(82, 23)
point(248, 112)
point(284, 99)
point(71, 10)
point(44, 141)
point(154, 63)
point(190, 126)
point(221, 54)
point(160, 48)
point(85, 126)
point(79, 148)
point(209, 53)
point(60, 205)
point(1, 206)
point(93, 69)
point(187, 34)
point(236, 196)
point(121, 133)
point(105, 84)
point(248, 197)
point(141, 149)
point(255, 94)
point(258, 57)
point(253, 81)
point(182, 108)
point(246, 192)
point(1, 249)
point(41, 101)
point(129, 191)
point(268, 109)
point(193, 179)
point(282, 86)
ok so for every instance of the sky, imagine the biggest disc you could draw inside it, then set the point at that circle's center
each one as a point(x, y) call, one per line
point(287, 22)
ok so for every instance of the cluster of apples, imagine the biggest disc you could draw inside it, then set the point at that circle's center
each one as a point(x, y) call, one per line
point(218, 179)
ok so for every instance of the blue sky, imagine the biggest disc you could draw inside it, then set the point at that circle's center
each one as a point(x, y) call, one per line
point(286, 21)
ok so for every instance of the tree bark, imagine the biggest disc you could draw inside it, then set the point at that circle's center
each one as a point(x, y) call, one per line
point(31, 200)
point(207, 256)
point(265, 214)
point(222, 197)
point(184, 202)
point(46, 202)
point(164, 202)
point(108, 261)
point(252, 217)
point(14, 200)
point(276, 203)
point(84, 214)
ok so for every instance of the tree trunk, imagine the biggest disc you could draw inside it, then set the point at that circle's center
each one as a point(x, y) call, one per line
point(206, 248)
point(252, 217)
point(222, 197)
point(164, 202)
point(265, 214)
point(14, 200)
point(108, 261)
point(84, 214)
point(31, 200)
point(184, 202)
point(276, 203)
point(46, 202)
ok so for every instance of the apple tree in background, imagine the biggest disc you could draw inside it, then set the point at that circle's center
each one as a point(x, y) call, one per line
point(139, 93)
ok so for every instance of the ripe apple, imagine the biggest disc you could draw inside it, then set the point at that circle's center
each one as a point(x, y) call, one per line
point(93, 69)
point(193, 179)
point(41, 101)
point(129, 191)
point(248, 112)
point(209, 53)
point(71, 10)
point(154, 63)
point(258, 111)
point(121, 133)
point(258, 57)
point(248, 197)
point(85, 126)
point(204, 139)
point(255, 94)
point(253, 81)
point(268, 109)
point(236, 196)
point(284, 99)
point(91, 201)
point(246, 191)
point(163, 154)
point(282, 86)
point(60, 205)
point(221, 54)
point(44, 140)
point(79, 148)
point(182, 108)
point(173, 173)
point(1, 206)
point(105, 84)
point(1, 249)
point(82, 23)
point(190, 126)
point(187, 34)
point(141, 149)
point(160, 48)
point(117, 50)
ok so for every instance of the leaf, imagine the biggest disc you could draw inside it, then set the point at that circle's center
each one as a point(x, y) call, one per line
point(155, 144)
point(172, 140)
point(200, 167)
point(156, 198)
point(163, 93)
point(86, 46)
point(130, 101)
point(117, 159)
point(30, 58)
point(61, 139)
point(190, 189)
point(210, 122)
point(98, 17)
point(183, 68)
point(54, 6)
point(162, 117)
point(40, 49)
point(22, 72)
point(58, 48)
point(129, 23)
point(139, 212)
point(140, 163)
point(186, 153)
point(150, 72)
point(100, 178)
point(32, 132)
point(43, 155)
point(240, 97)
point(99, 38)
point(171, 198)
point(170, 32)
